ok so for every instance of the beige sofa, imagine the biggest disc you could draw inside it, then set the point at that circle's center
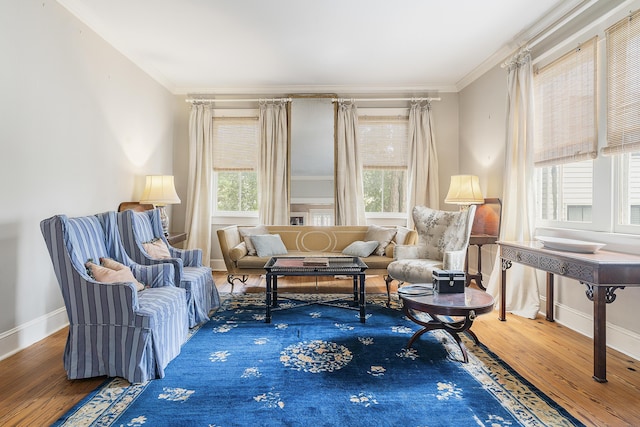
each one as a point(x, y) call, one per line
point(305, 241)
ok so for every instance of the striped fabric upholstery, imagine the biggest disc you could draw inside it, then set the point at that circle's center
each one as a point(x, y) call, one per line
point(114, 330)
point(137, 228)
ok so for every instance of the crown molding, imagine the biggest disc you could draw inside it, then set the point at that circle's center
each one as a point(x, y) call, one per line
point(544, 27)
point(414, 90)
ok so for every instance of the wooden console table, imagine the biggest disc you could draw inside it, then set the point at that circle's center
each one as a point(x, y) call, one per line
point(603, 273)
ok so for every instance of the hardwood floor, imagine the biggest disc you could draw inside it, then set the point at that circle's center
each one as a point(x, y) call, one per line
point(557, 360)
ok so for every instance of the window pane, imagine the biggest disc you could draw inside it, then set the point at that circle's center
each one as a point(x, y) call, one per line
point(383, 147)
point(384, 190)
point(629, 186)
point(565, 192)
point(237, 191)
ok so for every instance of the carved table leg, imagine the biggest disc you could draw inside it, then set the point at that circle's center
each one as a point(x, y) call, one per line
point(506, 264)
point(452, 328)
point(550, 297)
point(601, 296)
point(599, 335)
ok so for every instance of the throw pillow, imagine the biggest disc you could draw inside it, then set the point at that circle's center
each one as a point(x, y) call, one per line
point(157, 249)
point(112, 264)
point(109, 276)
point(360, 249)
point(381, 235)
point(401, 235)
point(268, 245)
point(246, 234)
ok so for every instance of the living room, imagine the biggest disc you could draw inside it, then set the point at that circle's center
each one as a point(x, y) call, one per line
point(103, 123)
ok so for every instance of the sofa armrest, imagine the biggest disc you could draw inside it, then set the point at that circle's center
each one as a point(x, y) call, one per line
point(239, 251)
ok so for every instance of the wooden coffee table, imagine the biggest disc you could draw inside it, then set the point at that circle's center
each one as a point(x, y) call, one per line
point(467, 305)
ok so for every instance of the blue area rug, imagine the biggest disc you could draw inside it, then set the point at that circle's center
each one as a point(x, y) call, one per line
point(317, 365)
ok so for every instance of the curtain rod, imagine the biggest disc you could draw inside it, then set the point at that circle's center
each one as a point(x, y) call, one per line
point(383, 99)
point(211, 100)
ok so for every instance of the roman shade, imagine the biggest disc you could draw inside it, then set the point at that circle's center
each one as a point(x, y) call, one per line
point(566, 129)
point(623, 97)
point(236, 143)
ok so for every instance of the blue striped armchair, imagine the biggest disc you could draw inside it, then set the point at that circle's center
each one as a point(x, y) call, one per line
point(140, 228)
point(114, 330)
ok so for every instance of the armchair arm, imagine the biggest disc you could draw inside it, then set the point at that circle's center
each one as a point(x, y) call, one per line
point(454, 260)
point(189, 257)
point(156, 275)
point(102, 297)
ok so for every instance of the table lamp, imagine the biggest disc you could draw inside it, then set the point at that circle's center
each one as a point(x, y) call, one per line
point(160, 191)
point(464, 190)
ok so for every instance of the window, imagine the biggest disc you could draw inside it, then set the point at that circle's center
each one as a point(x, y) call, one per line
point(235, 147)
point(629, 189)
point(383, 145)
point(566, 138)
point(623, 117)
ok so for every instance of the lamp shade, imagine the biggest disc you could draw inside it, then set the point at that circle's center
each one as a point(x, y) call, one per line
point(464, 190)
point(159, 190)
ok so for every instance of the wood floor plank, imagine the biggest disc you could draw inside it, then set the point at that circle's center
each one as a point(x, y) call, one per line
point(557, 360)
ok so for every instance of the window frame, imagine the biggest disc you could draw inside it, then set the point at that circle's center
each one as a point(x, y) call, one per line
point(386, 112)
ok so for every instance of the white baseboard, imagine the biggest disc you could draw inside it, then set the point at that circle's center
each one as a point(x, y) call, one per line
point(21, 337)
point(217, 265)
point(620, 339)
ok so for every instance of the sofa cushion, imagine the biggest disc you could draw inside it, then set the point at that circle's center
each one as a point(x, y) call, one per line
point(380, 234)
point(246, 234)
point(360, 248)
point(268, 245)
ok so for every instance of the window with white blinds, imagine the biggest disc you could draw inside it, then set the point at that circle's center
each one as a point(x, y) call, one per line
point(383, 141)
point(235, 143)
point(623, 86)
point(565, 94)
point(235, 160)
point(383, 148)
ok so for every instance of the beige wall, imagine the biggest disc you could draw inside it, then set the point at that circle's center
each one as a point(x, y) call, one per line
point(81, 127)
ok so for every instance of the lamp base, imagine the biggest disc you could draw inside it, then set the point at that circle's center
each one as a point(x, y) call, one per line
point(164, 220)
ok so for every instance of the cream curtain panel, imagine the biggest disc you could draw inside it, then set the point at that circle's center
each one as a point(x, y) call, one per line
point(273, 161)
point(349, 186)
point(518, 207)
point(198, 215)
point(422, 167)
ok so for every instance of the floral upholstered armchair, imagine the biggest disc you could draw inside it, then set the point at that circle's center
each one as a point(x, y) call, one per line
point(129, 321)
point(443, 238)
point(145, 242)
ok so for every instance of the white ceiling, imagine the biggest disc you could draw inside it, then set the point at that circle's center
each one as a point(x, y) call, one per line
point(280, 46)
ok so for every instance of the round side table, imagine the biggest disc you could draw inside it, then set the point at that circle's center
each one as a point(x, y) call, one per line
point(467, 305)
